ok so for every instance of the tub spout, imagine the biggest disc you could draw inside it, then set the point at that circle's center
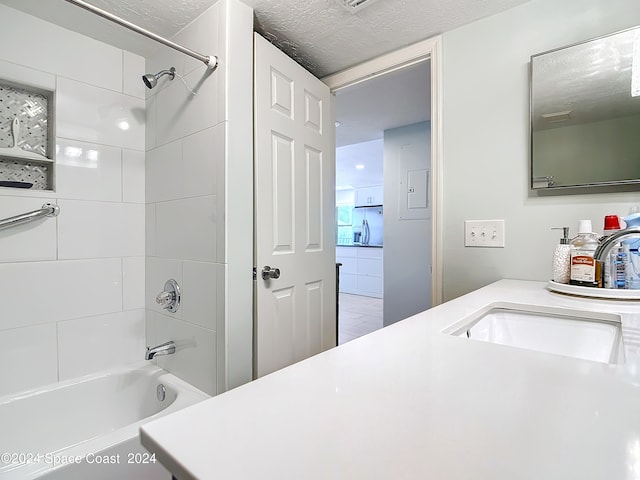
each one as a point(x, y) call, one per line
point(163, 349)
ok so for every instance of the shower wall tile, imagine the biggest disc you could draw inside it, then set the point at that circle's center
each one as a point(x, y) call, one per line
point(195, 357)
point(204, 36)
point(201, 155)
point(28, 242)
point(164, 172)
point(187, 229)
point(92, 344)
point(98, 115)
point(151, 118)
point(133, 281)
point(157, 272)
point(180, 113)
point(50, 48)
point(203, 298)
point(100, 229)
point(88, 171)
point(29, 358)
point(150, 229)
point(133, 176)
point(133, 69)
point(87, 273)
point(41, 292)
point(27, 76)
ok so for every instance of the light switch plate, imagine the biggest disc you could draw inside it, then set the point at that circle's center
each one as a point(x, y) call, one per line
point(484, 233)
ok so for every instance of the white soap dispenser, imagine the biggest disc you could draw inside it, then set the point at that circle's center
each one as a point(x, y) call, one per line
point(562, 257)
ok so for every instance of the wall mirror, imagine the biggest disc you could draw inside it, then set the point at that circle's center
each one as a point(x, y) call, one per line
point(585, 115)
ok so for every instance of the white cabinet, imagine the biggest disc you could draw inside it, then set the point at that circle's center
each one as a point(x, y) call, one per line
point(368, 196)
point(361, 271)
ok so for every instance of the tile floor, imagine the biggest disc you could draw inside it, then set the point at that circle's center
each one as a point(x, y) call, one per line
point(358, 316)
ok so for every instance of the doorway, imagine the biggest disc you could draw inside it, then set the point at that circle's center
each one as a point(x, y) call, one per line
point(380, 90)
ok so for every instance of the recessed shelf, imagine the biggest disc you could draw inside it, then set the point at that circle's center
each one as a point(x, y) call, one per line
point(25, 137)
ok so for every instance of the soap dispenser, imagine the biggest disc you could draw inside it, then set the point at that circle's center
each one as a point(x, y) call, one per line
point(562, 257)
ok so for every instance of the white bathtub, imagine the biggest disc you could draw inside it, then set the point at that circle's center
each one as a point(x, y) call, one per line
point(88, 427)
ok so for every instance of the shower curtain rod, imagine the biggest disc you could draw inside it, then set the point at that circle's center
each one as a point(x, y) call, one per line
point(210, 61)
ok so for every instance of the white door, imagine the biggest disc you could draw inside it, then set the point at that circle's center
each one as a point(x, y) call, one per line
point(294, 211)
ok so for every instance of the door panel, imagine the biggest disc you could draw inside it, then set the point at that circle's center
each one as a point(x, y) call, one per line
point(294, 220)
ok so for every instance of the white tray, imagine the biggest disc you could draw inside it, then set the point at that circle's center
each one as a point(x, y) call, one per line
point(592, 292)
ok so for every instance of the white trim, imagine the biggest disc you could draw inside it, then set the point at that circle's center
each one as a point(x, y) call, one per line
point(430, 49)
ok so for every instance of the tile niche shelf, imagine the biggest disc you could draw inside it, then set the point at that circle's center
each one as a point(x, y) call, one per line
point(25, 136)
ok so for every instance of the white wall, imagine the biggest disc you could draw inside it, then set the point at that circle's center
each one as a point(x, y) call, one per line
point(485, 139)
point(73, 286)
point(199, 202)
point(407, 241)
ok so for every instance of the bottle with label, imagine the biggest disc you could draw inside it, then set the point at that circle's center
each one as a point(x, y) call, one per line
point(562, 257)
point(585, 271)
point(632, 250)
point(613, 267)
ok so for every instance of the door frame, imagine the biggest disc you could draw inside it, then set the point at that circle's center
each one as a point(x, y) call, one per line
point(430, 49)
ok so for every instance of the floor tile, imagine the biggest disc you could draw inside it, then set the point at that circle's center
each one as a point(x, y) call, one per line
point(358, 316)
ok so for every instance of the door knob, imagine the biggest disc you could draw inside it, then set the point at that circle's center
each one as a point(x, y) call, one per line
point(268, 272)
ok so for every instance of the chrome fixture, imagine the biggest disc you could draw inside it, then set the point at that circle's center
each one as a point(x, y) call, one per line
point(606, 244)
point(47, 210)
point(169, 298)
point(150, 80)
point(268, 272)
point(167, 348)
point(161, 392)
point(210, 61)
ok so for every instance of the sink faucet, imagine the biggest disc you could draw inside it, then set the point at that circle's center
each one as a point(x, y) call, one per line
point(607, 244)
point(163, 349)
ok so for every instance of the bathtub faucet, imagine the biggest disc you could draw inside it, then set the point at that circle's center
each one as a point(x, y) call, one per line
point(163, 349)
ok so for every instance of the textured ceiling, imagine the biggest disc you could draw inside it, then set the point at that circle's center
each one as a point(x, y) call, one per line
point(325, 37)
point(322, 35)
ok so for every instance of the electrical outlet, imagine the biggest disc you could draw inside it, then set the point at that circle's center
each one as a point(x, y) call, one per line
point(484, 233)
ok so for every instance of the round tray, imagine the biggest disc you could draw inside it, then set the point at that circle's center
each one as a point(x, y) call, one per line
point(592, 292)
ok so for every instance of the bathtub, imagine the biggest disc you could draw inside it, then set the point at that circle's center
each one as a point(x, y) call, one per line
point(88, 427)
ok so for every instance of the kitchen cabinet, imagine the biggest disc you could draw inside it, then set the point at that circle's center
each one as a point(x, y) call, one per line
point(361, 272)
point(368, 196)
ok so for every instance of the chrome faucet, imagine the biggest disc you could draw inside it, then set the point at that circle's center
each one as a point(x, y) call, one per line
point(163, 349)
point(606, 244)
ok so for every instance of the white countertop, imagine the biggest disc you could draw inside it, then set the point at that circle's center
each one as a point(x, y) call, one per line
point(409, 402)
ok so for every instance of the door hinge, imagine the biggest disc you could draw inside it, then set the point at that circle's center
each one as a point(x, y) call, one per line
point(255, 273)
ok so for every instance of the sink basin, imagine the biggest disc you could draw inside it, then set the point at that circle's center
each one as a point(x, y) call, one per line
point(588, 335)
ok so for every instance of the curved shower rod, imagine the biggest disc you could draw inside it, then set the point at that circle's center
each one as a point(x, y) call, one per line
point(210, 61)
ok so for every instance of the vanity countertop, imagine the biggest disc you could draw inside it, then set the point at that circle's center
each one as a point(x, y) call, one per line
point(410, 402)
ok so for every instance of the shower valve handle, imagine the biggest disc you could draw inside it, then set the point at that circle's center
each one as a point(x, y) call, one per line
point(169, 298)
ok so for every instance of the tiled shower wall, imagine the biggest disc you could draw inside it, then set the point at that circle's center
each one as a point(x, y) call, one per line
point(72, 287)
point(186, 177)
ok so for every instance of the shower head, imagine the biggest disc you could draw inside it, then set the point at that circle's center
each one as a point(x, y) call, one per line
point(150, 79)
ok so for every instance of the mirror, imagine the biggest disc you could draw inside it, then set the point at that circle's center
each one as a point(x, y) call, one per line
point(585, 115)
